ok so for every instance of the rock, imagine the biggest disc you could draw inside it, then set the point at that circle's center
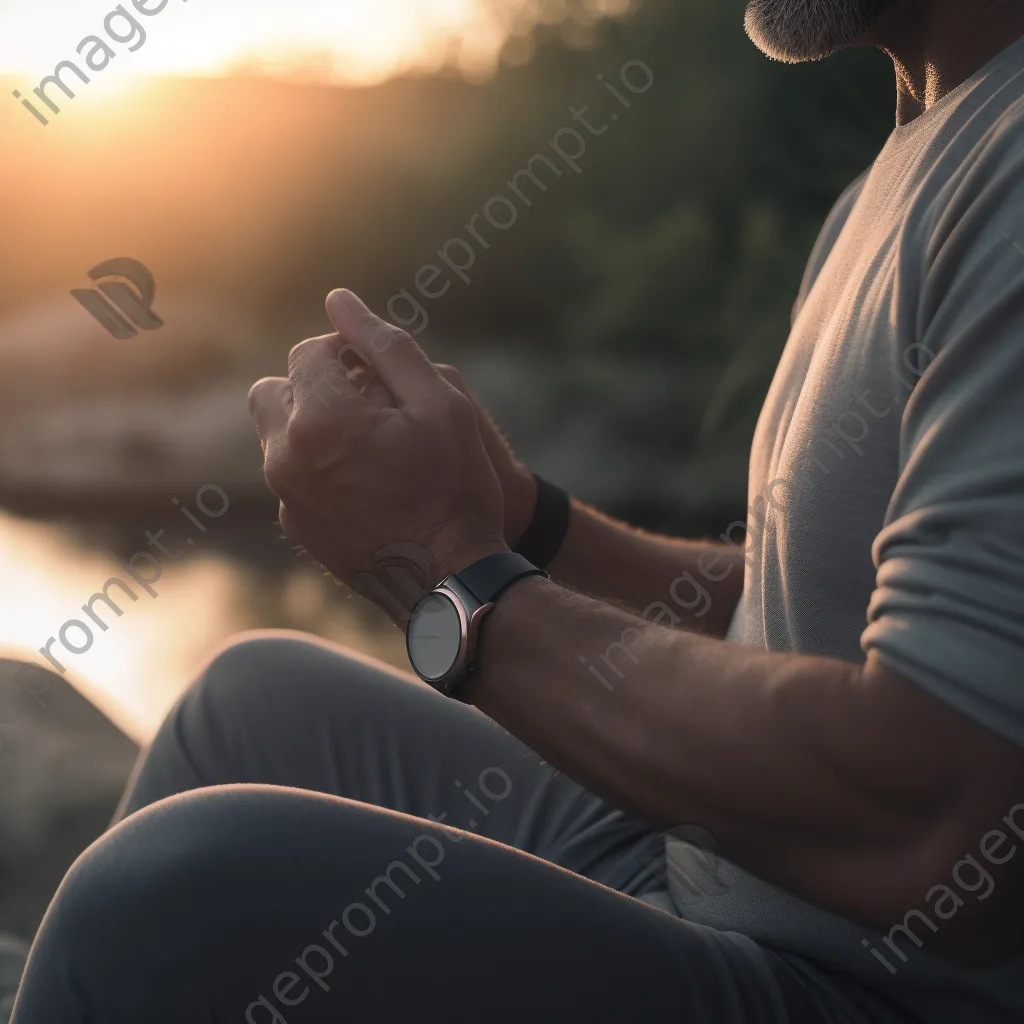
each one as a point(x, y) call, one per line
point(63, 767)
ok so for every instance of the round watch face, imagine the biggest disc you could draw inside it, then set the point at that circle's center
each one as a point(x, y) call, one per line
point(434, 637)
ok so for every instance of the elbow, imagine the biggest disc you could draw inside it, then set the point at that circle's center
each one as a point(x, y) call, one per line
point(958, 893)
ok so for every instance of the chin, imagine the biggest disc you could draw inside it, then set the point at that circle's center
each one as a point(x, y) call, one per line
point(794, 31)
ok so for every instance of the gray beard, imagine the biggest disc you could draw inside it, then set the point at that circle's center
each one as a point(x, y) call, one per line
point(799, 30)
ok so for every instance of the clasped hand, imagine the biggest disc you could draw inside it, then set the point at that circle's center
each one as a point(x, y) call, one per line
point(394, 457)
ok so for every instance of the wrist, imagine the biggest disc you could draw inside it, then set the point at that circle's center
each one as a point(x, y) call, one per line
point(443, 636)
point(497, 643)
point(549, 525)
point(455, 556)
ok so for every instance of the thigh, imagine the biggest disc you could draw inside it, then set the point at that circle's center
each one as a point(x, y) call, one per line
point(287, 710)
point(281, 906)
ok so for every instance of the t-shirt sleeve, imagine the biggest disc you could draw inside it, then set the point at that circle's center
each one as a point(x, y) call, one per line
point(948, 609)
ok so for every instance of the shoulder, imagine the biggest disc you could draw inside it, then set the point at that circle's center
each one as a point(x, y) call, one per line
point(965, 233)
point(976, 198)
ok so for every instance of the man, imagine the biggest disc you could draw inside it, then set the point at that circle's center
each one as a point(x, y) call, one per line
point(865, 786)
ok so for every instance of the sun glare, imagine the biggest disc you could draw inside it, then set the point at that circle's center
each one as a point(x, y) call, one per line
point(338, 40)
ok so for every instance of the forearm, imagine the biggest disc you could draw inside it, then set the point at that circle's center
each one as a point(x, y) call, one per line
point(815, 774)
point(700, 580)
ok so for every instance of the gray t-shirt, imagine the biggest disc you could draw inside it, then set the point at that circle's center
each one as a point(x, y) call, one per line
point(887, 486)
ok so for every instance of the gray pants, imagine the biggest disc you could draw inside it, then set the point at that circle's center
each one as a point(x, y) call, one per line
point(277, 861)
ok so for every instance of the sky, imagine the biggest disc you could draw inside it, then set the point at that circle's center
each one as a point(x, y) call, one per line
point(343, 40)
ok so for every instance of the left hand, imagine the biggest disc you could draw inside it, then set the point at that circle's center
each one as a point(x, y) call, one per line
point(399, 461)
point(517, 483)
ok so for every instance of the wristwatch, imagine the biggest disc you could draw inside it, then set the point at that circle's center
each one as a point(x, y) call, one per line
point(444, 629)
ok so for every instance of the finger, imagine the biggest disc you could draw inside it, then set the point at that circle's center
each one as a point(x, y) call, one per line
point(403, 366)
point(494, 440)
point(453, 375)
point(270, 403)
point(326, 367)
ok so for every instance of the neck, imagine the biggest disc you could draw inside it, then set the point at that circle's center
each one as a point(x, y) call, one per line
point(936, 45)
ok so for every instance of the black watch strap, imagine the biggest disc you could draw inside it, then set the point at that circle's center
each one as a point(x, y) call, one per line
point(486, 579)
point(546, 532)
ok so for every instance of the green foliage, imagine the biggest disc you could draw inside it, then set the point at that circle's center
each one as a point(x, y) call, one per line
point(686, 235)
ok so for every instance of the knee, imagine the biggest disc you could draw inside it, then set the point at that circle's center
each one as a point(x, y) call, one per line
point(275, 675)
point(177, 845)
point(258, 665)
point(141, 894)
point(264, 692)
point(266, 709)
point(179, 891)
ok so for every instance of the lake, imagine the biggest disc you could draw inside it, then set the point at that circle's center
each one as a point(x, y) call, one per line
point(237, 576)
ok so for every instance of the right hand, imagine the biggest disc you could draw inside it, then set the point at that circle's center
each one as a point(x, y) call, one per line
point(517, 483)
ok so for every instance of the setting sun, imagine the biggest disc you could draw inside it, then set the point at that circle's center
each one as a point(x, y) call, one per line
point(335, 40)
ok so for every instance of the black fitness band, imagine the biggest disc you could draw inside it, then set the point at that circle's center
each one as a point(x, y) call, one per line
point(546, 533)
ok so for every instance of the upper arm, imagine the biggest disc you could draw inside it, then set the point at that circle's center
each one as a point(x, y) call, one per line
point(948, 611)
point(947, 615)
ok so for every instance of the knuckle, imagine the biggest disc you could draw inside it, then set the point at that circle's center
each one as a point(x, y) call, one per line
point(296, 352)
point(256, 392)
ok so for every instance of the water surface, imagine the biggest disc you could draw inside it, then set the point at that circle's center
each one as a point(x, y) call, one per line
point(243, 577)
